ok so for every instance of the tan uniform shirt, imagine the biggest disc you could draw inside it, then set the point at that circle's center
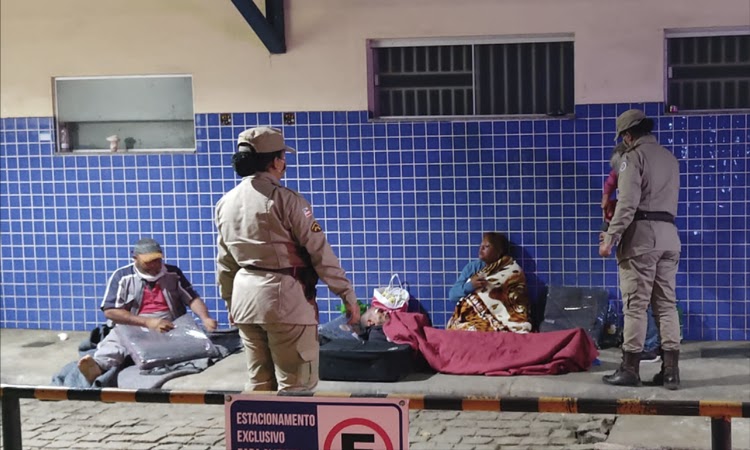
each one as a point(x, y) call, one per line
point(649, 180)
point(264, 224)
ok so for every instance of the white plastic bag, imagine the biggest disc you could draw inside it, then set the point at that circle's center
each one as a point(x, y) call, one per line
point(391, 297)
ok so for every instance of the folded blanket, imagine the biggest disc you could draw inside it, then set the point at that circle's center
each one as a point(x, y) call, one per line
point(131, 377)
point(493, 353)
point(150, 348)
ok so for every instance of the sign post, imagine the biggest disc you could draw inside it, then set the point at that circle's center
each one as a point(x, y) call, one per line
point(264, 422)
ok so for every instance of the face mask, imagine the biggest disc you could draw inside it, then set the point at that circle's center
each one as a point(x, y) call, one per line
point(149, 277)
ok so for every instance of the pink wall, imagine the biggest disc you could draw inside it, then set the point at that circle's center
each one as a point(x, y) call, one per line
point(619, 45)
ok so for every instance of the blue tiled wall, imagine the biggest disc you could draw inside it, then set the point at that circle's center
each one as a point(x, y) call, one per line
point(411, 198)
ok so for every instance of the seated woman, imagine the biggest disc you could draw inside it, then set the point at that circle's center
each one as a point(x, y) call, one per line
point(491, 291)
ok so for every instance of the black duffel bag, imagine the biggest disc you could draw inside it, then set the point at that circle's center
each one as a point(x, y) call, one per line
point(569, 307)
point(372, 360)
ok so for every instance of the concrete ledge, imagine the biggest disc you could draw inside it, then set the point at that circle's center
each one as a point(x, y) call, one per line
point(32, 356)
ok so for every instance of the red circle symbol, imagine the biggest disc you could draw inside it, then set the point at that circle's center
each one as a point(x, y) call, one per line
point(357, 421)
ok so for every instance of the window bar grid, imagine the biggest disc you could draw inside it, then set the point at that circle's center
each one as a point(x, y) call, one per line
point(562, 76)
point(506, 78)
point(548, 93)
point(533, 77)
point(469, 79)
point(474, 81)
point(519, 89)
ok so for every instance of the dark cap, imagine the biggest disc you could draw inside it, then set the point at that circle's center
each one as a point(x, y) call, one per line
point(148, 250)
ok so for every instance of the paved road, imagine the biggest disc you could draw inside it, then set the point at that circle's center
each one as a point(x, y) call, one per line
point(141, 426)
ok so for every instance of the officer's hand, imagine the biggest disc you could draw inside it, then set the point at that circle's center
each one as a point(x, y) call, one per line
point(209, 324)
point(160, 325)
point(605, 250)
point(353, 314)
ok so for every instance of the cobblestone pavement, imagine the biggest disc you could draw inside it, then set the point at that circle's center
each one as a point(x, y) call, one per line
point(142, 426)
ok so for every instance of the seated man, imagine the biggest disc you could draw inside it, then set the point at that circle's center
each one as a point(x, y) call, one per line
point(491, 291)
point(146, 293)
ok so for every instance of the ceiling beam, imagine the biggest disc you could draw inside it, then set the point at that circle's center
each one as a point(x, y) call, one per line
point(269, 28)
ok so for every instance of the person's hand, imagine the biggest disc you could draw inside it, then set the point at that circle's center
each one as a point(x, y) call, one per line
point(605, 201)
point(352, 314)
point(478, 281)
point(209, 324)
point(160, 325)
point(605, 249)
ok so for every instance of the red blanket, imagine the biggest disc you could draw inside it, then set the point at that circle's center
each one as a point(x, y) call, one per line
point(493, 353)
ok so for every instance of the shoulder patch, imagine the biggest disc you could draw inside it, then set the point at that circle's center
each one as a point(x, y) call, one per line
point(306, 211)
point(315, 228)
point(623, 166)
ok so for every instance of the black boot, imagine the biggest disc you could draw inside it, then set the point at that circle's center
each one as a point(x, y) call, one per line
point(669, 377)
point(628, 373)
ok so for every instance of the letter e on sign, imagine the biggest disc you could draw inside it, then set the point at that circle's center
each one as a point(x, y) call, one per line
point(357, 430)
point(369, 424)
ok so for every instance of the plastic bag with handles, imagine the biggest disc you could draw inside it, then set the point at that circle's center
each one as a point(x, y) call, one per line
point(393, 297)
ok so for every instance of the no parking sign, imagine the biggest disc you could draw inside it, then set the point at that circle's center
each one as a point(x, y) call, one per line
point(264, 422)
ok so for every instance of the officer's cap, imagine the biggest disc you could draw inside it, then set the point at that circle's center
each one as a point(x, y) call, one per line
point(628, 120)
point(263, 140)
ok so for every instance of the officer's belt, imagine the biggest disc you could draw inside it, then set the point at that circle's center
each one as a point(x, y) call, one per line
point(657, 216)
point(292, 271)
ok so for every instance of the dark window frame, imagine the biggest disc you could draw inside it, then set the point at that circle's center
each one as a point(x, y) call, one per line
point(536, 51)
point(715, 84)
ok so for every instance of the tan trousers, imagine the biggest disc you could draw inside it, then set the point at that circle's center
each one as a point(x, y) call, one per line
point(650, 279)
point(280, 356)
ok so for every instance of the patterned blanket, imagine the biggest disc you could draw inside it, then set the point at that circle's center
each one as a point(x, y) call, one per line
point(501, 306)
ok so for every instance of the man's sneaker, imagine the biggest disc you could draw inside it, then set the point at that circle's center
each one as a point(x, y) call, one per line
point(650, 356)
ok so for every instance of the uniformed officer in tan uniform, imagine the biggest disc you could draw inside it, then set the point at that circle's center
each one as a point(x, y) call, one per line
point(648, 247)
point(271, 252)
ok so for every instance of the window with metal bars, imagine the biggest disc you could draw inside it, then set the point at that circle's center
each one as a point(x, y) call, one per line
point(708, 73)
point(518, 78)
